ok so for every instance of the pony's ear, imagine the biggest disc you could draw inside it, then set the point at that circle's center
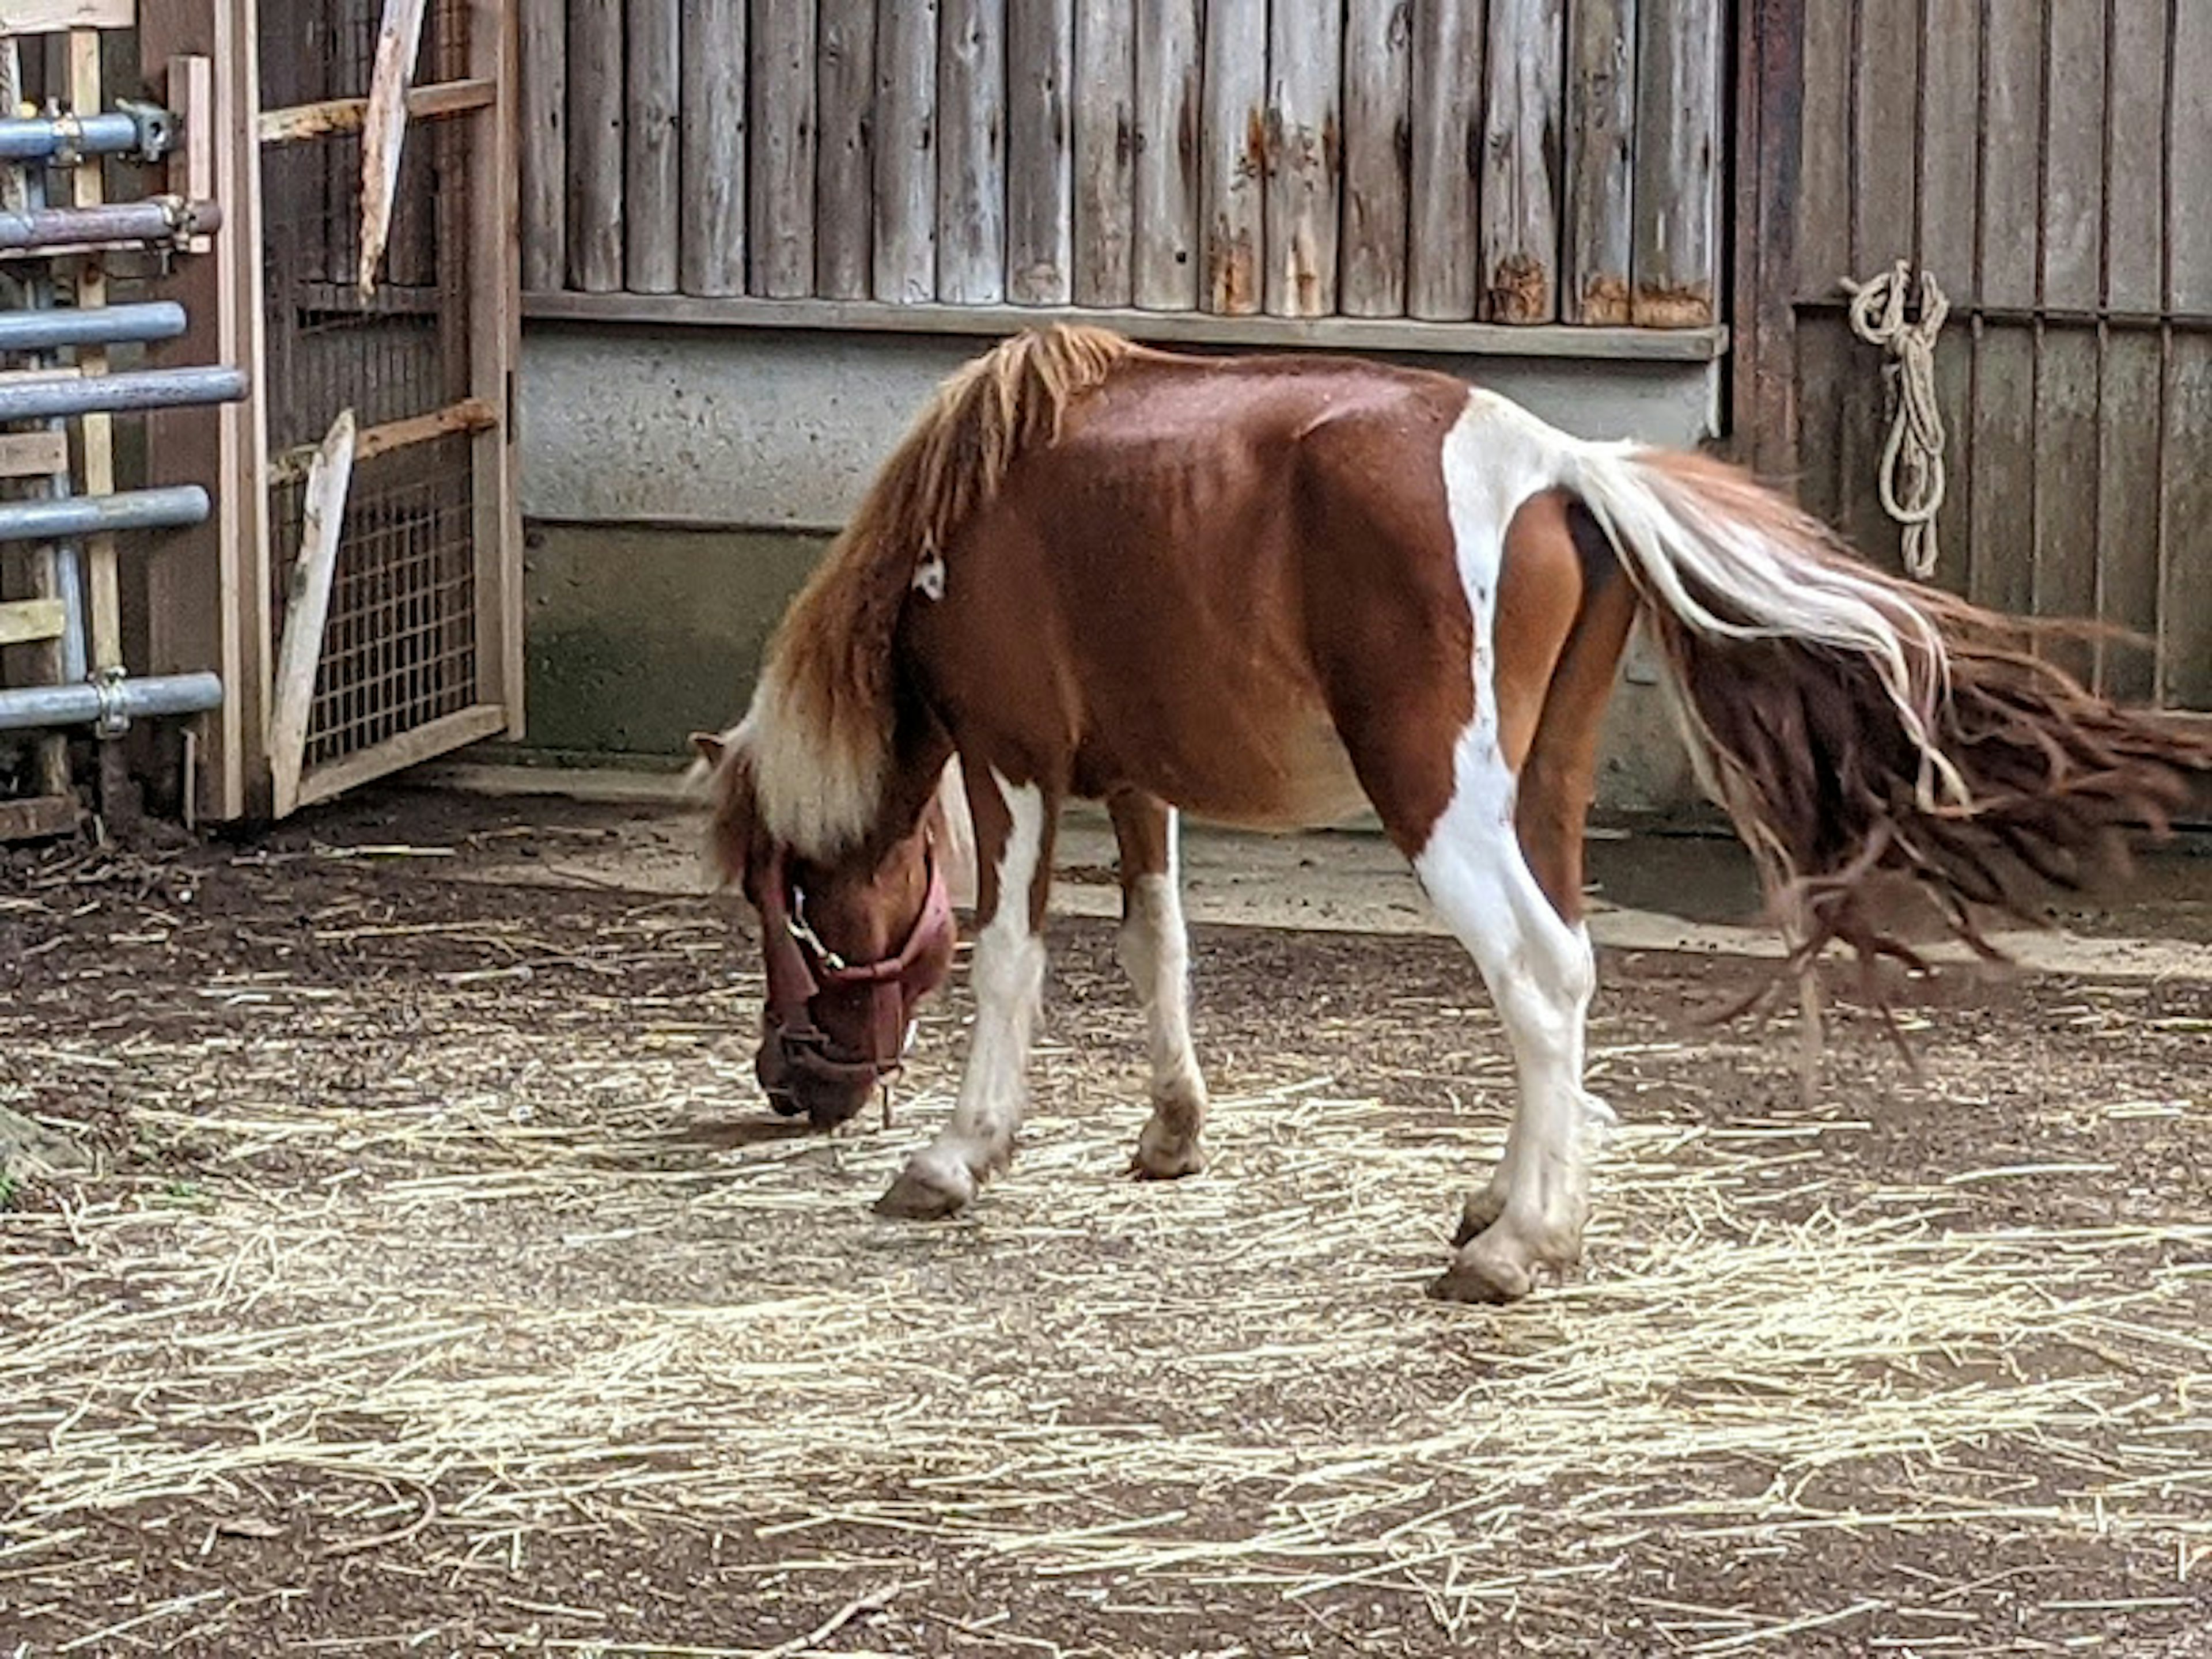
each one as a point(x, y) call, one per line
point(711, 746)
point(726, 772)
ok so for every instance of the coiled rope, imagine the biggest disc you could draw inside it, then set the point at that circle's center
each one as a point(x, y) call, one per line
point(1912, 473)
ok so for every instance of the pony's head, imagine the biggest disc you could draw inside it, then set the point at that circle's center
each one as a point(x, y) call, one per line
point(850, 944)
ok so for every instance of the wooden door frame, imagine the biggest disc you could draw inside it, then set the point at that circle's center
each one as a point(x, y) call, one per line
point(1769, 147)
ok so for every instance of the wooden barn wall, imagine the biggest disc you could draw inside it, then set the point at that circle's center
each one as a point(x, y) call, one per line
point(2049, 161)
point(1516, 161)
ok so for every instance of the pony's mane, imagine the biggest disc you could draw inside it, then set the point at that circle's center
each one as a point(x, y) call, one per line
point(819, 736)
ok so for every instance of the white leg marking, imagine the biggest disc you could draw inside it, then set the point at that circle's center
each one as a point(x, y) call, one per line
point(1007, 972)
point(1155, 952)
point(1540, 970)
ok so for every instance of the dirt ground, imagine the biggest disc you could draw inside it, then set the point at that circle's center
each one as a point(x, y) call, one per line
point(441, 1286)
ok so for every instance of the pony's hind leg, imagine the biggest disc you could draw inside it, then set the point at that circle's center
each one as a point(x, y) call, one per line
point(1014, 826)
point(1155, 952)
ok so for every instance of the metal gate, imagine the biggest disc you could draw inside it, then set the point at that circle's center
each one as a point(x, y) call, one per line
point(2048, 163)
point(420, 652)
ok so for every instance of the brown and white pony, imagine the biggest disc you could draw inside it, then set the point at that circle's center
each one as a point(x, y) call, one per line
point(1274, 591)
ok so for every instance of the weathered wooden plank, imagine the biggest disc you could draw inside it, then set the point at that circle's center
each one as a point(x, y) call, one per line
point(1521, 161)
point(651, 178)
point(2012, 200)
point(1040, 154)
point(1678, 126)
point(52, 16)
point(1165, 263)
point(383, 133)
point(1234, 168)
point(545, 143)
point(1600, 159)
point(1305, 66)
point(906, 150)
point(844, 188)
point(1441, 275)
point(595, 145)
point(1824, 195)
point(1378, 51)
point(714, 164)
point(1105, 153)
point(1949, 175)
point(2185, 619)
point(971, 165)
point(2001, 483)
point(780, 132)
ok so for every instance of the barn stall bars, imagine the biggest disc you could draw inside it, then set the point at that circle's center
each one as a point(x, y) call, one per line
point(68, 611)
point(863, 164)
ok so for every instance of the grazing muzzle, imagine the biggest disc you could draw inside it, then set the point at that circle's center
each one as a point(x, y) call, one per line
point(801, 1067)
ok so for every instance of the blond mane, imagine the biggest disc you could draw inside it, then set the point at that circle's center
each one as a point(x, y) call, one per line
point(819, 735)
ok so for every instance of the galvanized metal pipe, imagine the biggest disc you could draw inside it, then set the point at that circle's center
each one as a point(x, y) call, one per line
point(110, 706)
point(142, 130)
point(156, 219)
point(73, 516)
point(130, 324)
point(148, 388)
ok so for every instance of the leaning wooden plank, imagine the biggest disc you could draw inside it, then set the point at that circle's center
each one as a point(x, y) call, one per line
point(1040, 173)
point(384, 130)
point(1447, 78)
point(1305, 63)
point(650, 150)
point(1165, 277)
point(1521, 159)
point(1233, 178)
point(595, 146)
point(470, 416)
point(1105, 153)
point(712, 257)
point(844, 187)
point(297, 123)
point(1377, 62)
point(906, 151)
point(52, 16)
point(544, 143)
point(1678, 104)
point(971, 165)
point(306, 608)
point(1600, 159)
point(780, 199)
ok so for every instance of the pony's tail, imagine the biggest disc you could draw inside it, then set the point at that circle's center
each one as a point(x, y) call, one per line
point(822, 725)
point(1864, 733)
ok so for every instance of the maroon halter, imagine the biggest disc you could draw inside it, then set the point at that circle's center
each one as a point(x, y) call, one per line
point(800, 967)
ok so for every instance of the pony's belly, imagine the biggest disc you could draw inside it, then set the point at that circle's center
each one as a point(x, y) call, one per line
point(1299, 777)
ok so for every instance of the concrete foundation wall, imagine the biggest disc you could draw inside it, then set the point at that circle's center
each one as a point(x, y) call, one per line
point(677, 485)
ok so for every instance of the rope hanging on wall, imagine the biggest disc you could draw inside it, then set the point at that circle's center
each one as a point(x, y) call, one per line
point(1912, 472)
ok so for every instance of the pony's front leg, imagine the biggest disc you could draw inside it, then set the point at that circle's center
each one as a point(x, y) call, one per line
point(1155, 952)
point(1014, 828)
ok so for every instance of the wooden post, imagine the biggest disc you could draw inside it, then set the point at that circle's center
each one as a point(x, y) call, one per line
point(971, 169)
point(650, 146)
point(1600, 159)
point(1305, 65)
point(1165, 275)
point(1520, 211)
point(1770, 133)
point(1678, 164)
point(1233, 182)
point(384, 131)
point(906, 151)
point(844, 187)
point(96, 433)
point(1447, 79)
point(1040, 174)
point(1105, 152)
point(544, 26)
point(1377, 66)
point(595, 145)
point(307, 609)
point(781, 200)
point(711, 257)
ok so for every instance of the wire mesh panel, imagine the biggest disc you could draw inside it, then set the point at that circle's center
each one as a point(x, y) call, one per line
point(400, 647)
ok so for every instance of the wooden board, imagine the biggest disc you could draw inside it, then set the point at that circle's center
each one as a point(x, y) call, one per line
point(844, 207)
point(1305, 58)
point(52, 16)
point(2185, 630)
point(1678, 156)
point(1519, 211)
point(780, 147)
point(711, 259)
point(545, 143)
point(1949, 165)
point(596, 121)
point(651, 153)
point(33, 454)
point(1164, 263)
point(24, 622)
point(1233, 175)
point(1601, 160)
point(1040, 152)
point(971, 165)
point(905, 249)
point(95, 433)
point(1378, 56)
point(1447, 76)
point(1105, 127)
